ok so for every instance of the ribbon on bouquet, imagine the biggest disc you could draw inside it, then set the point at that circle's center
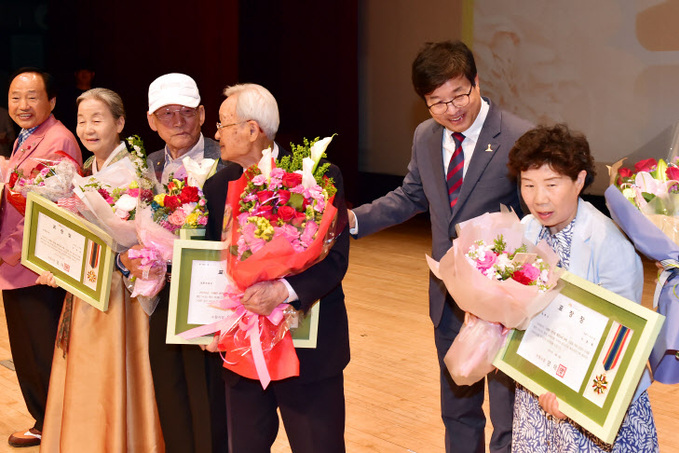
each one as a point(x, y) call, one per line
point(670, 267)
point(146, 289)
point(246, 321)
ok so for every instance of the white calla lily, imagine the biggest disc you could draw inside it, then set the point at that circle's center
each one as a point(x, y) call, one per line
point(308, 179)
point(265, 164)
point(198, 171)
point(318, 148)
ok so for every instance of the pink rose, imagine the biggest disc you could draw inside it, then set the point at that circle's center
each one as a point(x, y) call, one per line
point(486, 261)
point(527, 275)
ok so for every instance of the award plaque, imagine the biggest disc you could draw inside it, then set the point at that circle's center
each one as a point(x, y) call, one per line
point(198, 281)
point(76, 251)
point(589, 347)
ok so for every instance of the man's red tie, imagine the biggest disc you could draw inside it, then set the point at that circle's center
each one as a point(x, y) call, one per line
point(455, 167)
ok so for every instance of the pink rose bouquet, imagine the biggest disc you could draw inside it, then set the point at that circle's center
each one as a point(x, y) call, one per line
point(283, 222)
point(492, 274)
point(180, 206)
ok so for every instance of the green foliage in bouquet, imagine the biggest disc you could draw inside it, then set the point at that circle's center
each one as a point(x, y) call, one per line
point(294, 163)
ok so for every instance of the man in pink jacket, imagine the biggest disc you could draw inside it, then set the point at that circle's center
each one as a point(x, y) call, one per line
point(32, 311)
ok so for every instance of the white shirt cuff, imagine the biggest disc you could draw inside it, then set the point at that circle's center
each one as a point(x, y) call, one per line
point(354, 230)
point(292, 295)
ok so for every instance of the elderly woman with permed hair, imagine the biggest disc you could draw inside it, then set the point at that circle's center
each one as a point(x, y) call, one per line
point(553, 166)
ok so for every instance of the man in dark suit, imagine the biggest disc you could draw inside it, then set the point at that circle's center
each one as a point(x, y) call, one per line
point(189, 397)
point(475, 136)
point(312, 404)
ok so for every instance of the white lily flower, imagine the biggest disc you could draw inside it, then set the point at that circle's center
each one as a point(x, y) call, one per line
point(265, 163)
point(198, 171)
point(308, 179)
point(318, 148)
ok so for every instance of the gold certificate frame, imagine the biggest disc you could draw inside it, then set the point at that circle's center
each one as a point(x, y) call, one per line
point(76, 251)
point(590, 347)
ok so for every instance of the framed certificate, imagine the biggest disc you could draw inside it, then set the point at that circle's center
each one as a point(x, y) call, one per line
point(192, 233)
point(198, 280)
point(77, 252)
point(590, 347)
point(304, 328)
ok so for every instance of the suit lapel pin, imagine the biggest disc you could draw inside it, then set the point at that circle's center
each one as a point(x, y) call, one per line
point(489, 149)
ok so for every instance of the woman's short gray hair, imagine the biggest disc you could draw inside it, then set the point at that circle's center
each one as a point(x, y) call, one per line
point(256, 103)
point(108, 97)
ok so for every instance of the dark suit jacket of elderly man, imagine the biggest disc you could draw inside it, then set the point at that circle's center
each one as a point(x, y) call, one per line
point(156, 160)
point(190, 400)
point(309, 406)
point(485, 186)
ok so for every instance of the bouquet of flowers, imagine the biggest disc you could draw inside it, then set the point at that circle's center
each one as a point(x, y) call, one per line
point(282, 222)
point(110, 197)
point(492, 274)
point(497, 263)
point(644, 202)
point(51, 179)
point(179, 206)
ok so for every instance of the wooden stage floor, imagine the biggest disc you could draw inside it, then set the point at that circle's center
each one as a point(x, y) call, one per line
point(392, 384)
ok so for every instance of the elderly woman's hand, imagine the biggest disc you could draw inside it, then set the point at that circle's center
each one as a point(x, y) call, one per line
point(136, 269)
point(550, 404)
point(46, 278)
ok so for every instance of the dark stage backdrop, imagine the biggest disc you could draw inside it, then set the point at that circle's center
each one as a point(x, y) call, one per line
point(130, 43)
point(305, 52)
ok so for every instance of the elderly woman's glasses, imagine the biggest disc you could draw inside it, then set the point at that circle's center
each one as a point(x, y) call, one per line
point(166, 115)
point(458, 101)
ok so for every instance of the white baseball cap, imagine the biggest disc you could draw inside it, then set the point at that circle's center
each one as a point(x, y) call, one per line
point(173, 88)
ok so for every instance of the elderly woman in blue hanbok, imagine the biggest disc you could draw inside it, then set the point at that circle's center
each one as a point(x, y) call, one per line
point(553, 166)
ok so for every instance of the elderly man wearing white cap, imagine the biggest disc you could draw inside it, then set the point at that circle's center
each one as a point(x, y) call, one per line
point(189, 393)
point(176, 114)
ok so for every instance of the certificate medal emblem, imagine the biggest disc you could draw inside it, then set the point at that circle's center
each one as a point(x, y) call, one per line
point(600, 384)
point(610, 360)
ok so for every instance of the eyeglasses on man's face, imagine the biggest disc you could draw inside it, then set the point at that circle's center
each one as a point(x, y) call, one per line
point(440, 108)
point(221, 126)
point(166, 115)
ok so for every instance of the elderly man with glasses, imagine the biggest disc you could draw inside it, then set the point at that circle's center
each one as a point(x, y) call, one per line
point(189, 396)
point(458, 171)
point(176, 114)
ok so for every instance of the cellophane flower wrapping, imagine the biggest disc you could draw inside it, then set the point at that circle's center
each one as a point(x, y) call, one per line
point(471, 355)
point(644, 202)
point(280, 221)
point(502, 292)
point(110, 197)
point(51, 178)
point(179, 206)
